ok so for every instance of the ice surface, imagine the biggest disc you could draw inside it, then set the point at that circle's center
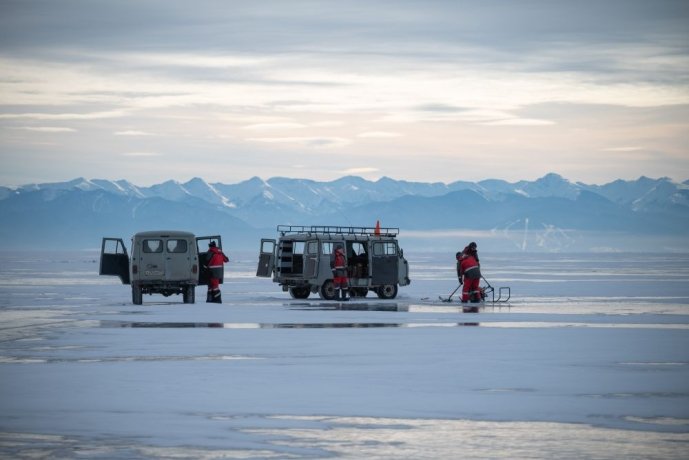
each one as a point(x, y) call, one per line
point(589, 359)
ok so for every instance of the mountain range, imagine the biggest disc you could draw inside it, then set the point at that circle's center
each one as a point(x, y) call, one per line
point(77, 213)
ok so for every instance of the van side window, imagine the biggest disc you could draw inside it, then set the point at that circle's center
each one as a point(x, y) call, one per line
point(326, 248)
point(384, 249)
point(177, 246)
point(298, 247)
point(152, 246)
point(358, 249)
point(312, 247)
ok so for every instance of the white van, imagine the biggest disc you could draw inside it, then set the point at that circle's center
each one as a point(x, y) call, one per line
point(162, 262)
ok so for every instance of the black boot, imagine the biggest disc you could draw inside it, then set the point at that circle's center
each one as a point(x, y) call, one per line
point(344, 295)
point(217, 297)
point(209, 297)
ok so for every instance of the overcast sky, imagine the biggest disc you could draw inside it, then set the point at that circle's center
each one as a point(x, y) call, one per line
point(417, 90)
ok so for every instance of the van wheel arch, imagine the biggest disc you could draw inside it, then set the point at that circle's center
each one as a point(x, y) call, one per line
point(327, 290)
point(300, 292)
point(387, 291)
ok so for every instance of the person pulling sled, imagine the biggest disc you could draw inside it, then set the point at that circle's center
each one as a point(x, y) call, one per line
point(469, 273)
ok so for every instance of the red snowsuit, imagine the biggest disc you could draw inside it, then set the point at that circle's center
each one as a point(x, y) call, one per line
point(470, 274)
point(340, 279)
point(216, 259)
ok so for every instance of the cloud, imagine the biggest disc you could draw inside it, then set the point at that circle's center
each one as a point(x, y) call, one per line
point(355, 171)
point(623, 149)
point(142, 154)
point(47, 129)
point(273, 126)
point(378, 135)
point(456, 74)
point(327, 124)
point(63, 116)
point(307, 141)
point(518, 122)
point(133, 133)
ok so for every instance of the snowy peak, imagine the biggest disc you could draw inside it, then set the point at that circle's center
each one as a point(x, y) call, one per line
point(199, 188)
point(257, 200)
point(169, 190)
point(549, 185)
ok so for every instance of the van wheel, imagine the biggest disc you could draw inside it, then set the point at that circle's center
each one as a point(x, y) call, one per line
point(189, 294)
point(300, 292)
point(137, 296)
point(388, 291)
point(327, 291)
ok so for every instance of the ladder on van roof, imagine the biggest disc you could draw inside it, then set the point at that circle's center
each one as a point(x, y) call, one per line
point(329, 229)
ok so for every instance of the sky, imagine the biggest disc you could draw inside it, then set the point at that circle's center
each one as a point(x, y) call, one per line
point(594, 90)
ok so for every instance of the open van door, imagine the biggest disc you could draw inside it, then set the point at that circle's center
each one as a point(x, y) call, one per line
point(385, 263)
point(266, 259)
point(202, 243)
point(114, 260)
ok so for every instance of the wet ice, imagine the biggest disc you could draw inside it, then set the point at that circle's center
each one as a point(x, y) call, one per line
point(586, 350)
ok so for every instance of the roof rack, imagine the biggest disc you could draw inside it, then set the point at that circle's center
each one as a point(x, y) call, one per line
point(334, 229)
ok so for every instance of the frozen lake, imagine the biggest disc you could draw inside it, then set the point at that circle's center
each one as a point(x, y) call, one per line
point(590, 358)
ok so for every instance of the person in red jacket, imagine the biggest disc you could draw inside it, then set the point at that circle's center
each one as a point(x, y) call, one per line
point(215, 259)
point(340, 279)
point(469, 272)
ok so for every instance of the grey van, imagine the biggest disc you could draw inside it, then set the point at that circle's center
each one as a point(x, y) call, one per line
point(300, 260)
point(162, 262)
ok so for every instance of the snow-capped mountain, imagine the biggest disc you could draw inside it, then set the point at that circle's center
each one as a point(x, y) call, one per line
point(81, 207)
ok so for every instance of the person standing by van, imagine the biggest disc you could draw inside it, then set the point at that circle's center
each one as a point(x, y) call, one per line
point(469, 272)
point(215, 260)
point(340, 280)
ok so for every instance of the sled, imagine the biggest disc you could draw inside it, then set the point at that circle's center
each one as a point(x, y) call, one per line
point(485, 292)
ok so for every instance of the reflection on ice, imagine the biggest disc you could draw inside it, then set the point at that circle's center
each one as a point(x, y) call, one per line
point(347, 306)
point(184, 325)
point(120, 359)
point(307, 437)
point(359, 437)
point(420, 324)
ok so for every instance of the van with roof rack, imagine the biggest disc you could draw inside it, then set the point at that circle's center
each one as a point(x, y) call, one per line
point(300, 260)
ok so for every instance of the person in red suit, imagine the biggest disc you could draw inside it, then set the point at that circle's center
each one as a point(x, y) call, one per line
point(340, 279)
point(215, 260)
point(470, 274)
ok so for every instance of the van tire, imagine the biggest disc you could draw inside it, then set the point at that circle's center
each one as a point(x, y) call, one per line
point(189, 294)
point(327, 291)
point(137, 295)
point(300, 292)
point(387, 291)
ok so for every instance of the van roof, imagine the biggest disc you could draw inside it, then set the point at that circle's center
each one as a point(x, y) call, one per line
point(164, 234)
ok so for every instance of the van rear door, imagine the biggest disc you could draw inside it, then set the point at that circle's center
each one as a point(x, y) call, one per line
point(202, 243)
point(114, 260)
point(266, 259)
point(179, 255)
